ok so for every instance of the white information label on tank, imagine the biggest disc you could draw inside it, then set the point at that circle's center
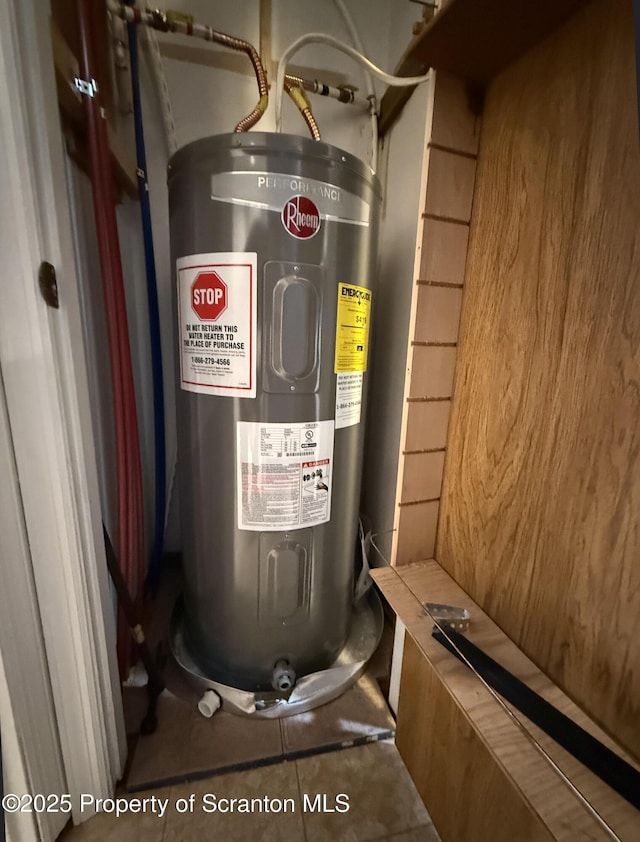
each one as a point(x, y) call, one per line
point(217, 295)
point(284, 474)
point(348, 398)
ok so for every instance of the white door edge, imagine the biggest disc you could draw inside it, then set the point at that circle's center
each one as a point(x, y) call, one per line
point(32, 759)
point(45, 383)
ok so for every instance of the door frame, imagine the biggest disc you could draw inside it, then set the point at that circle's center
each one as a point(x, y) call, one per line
point(44, 373)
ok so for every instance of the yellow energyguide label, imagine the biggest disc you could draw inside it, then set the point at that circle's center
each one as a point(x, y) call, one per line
point(352, 328)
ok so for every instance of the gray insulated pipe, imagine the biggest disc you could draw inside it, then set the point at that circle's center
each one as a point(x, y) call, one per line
point(274, 242)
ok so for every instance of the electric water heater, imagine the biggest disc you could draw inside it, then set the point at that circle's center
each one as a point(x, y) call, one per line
point(273, 242)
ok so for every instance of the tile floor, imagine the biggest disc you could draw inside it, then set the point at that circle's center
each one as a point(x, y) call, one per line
point(187, 746)
point(383, 805)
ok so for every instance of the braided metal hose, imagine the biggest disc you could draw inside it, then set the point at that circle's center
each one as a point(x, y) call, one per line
point(310, 120)
point(343, 93)
point(294, 81)
point(263, 86)
point(297, 94)
point(184, 25)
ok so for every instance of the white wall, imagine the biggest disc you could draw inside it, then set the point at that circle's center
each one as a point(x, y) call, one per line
point(211, 102)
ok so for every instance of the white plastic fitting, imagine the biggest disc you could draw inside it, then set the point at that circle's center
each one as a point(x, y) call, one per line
point(209, 703)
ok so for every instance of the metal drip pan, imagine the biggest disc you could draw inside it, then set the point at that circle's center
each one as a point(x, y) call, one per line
point(310, 690)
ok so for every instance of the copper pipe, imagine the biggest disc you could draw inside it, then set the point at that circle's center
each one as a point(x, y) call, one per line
point(185, 25)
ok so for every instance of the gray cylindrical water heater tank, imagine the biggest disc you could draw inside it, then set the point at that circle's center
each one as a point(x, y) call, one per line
point(273, 241)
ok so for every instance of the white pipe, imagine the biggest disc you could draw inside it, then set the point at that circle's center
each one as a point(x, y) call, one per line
point(162, 89)
point(371, 91)
point(121, 65)
point(209, 703)
point(322, 38)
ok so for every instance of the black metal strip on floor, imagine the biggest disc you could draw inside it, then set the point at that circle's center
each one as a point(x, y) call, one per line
point(284, 756)
point(606, 764)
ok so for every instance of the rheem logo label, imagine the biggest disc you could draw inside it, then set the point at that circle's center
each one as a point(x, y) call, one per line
point(301, 217)
point(208, 296)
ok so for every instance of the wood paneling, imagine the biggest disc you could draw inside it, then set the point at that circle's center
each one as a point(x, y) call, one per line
point(540, 517)
point(450, 186)
point(427, 423)
point(416, 527)
point(455, 126)
point(438, 314)
point(433, 334)
point(432, 372)
point(70, 101)
point(65, 15)
point(475, 40)
point(444, 251)
point(422, 476)
point(468, 796)
point(479, 775)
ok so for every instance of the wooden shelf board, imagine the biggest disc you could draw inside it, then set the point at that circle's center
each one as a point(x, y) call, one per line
point(70, 102)
point(475, 40)
point(406, 588)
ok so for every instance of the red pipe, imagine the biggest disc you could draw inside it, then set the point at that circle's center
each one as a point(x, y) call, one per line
point(130, 511)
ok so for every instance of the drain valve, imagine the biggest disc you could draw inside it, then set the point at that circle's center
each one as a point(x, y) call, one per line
point(284, 676)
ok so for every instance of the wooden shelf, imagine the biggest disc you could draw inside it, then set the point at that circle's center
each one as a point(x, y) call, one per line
point(475, 40)
point(478, 775)
point(70, 102)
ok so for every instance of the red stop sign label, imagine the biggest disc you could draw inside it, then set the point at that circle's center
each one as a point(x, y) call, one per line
point(208, 296)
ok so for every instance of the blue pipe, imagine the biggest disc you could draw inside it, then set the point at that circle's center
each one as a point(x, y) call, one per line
point(155, 565)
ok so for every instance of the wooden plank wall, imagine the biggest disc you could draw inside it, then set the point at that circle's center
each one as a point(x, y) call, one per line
point(540, 514)
point(401, 172)
point(433, 331)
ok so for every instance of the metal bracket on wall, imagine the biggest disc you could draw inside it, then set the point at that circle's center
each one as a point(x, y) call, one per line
point(428, 11)
point(85, 87)
point(448, 615)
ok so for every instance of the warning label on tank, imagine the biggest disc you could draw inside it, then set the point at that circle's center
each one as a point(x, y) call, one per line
point(348, 398)
point(217, 323)
point(284, 474)
point(352, 328)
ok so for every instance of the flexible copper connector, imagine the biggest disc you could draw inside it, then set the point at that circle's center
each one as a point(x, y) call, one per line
point(298, 96)
point(184, 25)
point(297, 81)
point(343, 93)
point(310, 120)
point(250, 120)
point(263, 86)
